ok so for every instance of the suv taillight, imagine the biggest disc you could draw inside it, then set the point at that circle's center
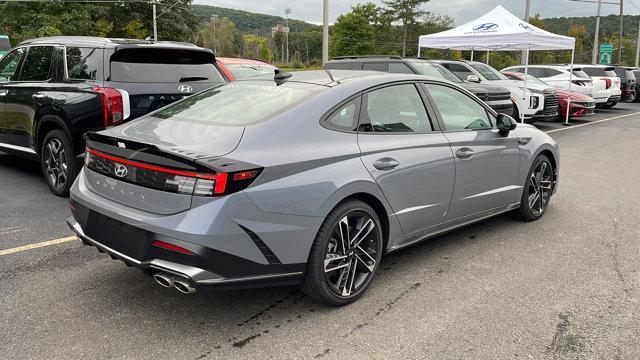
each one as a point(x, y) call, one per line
point(607, 83)
point(112, 105)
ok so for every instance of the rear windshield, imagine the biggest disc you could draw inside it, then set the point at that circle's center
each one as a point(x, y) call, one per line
point(163, 66)
point(488, 72)
point(244, 71)
point(5, 45)
point(598, 71)
point(435, 70)
point(240, 103)
point(581, 74)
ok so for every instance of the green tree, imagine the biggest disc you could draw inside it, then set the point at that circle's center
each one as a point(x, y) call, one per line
point(220, 35)
point(407, 12)
point(352, 34)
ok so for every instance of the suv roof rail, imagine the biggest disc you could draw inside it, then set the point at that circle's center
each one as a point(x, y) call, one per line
point(368, 57)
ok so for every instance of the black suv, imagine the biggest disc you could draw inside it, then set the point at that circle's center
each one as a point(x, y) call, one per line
point(498, 98)
point(53, 90)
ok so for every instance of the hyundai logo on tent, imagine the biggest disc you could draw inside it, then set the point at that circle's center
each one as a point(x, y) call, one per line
point(485, 27)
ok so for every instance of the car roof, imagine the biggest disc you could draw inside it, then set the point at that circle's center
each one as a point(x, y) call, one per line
point(367, 58)
point(332, 78)
point(230, 60)
point(100, 42)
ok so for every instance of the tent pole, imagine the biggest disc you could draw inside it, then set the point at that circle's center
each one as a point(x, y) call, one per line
point(487, 57)
point(524, 90)
point(418, 50)
point(471, 54)
point(566, 120)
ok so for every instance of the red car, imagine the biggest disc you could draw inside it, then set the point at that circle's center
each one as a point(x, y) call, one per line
point(236, 69)
point(581, 104)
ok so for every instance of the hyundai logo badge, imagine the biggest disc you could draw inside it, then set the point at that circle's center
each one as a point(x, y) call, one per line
point(185, 88)
point(485, 27)
point(120, 170)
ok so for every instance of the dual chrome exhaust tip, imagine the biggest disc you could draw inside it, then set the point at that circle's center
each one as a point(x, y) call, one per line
point(167, 281)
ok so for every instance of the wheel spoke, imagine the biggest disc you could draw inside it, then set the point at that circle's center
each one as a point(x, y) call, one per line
point(344, 234)
point(369, 267)
point(363, 233)
point(330, 258)
point(346, 291)
point(533, 198)
point(545, 184)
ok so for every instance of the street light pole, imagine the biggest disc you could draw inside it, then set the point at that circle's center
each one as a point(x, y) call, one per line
point(638, 46)
point(325, 31)
point(596, 36)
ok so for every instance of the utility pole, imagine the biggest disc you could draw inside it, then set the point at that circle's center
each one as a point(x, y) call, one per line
point(155, 22)
point(325, 31)
point(596, 36)
point(620, 39)
point(286, 31)
point(527, 12)
point(638, 46)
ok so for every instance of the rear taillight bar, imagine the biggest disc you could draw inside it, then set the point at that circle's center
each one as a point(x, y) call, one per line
point(169, 179)
point(113, 105)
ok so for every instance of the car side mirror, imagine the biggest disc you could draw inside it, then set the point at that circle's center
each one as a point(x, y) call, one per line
point(473, 78)
point(505, 124)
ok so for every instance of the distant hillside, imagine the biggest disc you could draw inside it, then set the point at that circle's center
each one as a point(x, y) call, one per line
point(247, 21)
point(608, 24)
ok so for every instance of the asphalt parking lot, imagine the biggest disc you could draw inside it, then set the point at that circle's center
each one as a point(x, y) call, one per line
point(565, 287)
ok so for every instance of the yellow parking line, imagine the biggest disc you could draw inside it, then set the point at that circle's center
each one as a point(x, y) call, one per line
point(591, 123)
point(37, 245)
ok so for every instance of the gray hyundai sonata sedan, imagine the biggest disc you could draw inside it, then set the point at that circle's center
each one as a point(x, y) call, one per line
point(304, 179)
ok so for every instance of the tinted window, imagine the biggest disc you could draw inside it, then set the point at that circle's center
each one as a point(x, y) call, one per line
point(377, 66)
point(552, 72)
point(163, 65)
point(84, 63)
point(239, 103)
point(244, 71)
point(9, 64)
point(599, 71)
point(5, 45)
point(460, 71)
point(580, 74)
point(458, 111)
point(345, 118)
point(399, 68)
point(435, 70)
point(37, 64)
point(396, 108)
point(488, 72)
point(537, 72)
point(349, 65)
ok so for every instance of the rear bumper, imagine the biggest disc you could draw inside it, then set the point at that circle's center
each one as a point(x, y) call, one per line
point(199, 278)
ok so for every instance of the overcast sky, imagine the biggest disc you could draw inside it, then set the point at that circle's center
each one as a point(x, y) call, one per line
point(461, 10)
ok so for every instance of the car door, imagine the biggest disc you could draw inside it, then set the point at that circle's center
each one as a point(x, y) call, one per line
point(486, 162)
point(26, 95)
point(9, 65)
point(404, 151)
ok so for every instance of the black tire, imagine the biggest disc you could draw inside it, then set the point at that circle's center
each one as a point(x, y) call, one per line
point(317, 282)
point(610, 105)
point(59, 165)
point(530, 212)
point(516, 112)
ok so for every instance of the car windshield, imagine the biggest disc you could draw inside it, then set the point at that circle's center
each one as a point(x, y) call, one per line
point(600, 71)
point(243, 71)
point(435, 70)
point(488, 72)
point(240, 103)
point(529, 78)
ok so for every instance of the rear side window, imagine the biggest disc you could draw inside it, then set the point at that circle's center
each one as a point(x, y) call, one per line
point(581, 74)
point(537, 72)
point(399, 68)
point(598, 71)
point(349, 65)
point(395, 109)
point(9, 64)
point(345, 118)
point(375, 66)
point(163, 66)
point(240, 103)
point(84, 63)
point(37, 64)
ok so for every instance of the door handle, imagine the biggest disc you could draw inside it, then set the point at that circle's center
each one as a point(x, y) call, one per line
point(37, 96)
point(464, 153)
point(386, 164)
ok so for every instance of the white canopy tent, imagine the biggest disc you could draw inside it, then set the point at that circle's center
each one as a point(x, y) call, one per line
point(500, 30)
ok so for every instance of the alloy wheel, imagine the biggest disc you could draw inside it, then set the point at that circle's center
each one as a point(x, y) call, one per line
point(351, 253)
point(56, 165)
point(540, 186)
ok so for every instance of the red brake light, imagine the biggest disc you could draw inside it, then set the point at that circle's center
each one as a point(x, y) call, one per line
point(112, 105)
point(607, 83)
point(245, 175)
point(171, 247)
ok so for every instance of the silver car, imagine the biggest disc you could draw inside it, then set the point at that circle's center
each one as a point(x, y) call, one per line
point(305, 179)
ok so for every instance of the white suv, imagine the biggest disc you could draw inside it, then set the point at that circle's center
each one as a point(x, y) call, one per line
point(605, 92)
point(612, 91)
